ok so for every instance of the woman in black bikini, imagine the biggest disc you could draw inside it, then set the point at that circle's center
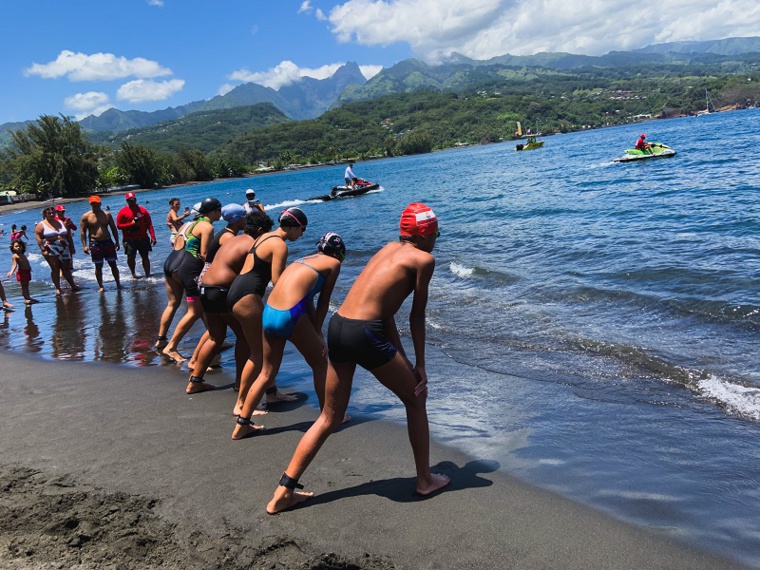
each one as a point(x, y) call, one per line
point(265, 262)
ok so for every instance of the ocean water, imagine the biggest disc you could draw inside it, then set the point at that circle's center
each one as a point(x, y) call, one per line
point(592, 326)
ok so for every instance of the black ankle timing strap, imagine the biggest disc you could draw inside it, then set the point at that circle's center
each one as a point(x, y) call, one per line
point(289, 482)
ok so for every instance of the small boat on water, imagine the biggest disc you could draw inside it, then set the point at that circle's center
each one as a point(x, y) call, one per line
point(706, 110)
point(360, 187)
point(658, 150)
point(530, 139)
point(530, 143)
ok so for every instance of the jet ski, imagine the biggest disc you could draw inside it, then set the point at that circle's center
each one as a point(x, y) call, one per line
point(360, 187)
point(658, 150)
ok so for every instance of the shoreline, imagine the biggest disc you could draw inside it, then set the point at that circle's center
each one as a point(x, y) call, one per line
point(133, 439)
point(40, 204)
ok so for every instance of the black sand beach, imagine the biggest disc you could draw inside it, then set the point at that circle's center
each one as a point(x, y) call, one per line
point(111, 467)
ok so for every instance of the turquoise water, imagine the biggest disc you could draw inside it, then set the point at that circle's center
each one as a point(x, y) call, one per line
point(592, 326)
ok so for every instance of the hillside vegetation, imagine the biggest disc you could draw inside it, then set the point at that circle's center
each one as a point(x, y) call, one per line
point(545, 100)
point(204, 130)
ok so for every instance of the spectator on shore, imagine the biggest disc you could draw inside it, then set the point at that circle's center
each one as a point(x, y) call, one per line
point(22, 268)
point(53, 239)
point(100, 245)
point(135, 223)
point(174, 219)
point(60, 213)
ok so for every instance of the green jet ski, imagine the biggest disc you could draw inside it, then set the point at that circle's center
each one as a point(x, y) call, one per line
point(658, 150)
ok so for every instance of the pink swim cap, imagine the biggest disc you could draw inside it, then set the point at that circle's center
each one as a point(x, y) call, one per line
point(418, 220)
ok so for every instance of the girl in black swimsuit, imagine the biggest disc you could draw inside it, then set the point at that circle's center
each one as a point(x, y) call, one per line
point(265, 262)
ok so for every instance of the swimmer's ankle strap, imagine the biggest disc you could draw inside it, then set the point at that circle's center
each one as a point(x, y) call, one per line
point(289, 482)
point(161, 338)
point(197, 380)
point(272, 390)
point(244, 421)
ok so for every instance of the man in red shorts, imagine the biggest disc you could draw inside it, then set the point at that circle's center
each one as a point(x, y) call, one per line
point(135, 223)
point(100, 246)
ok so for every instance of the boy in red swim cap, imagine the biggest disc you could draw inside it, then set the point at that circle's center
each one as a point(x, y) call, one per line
point(363, 331)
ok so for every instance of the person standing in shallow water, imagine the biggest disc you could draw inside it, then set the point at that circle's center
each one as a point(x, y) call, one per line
point(174, 219)
point(52, 237)
point(135, 223)
point(99, 225)
point(363, 331)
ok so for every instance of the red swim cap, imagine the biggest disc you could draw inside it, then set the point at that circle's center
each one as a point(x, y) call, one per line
point(418, 220)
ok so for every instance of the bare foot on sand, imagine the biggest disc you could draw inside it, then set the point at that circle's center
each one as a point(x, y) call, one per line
point(437, 481)
point(238, 409)
point(174, 355)
point(285, 499)
point(280, 397)
point(7, 306)
point(197, 387)
point(243, 431)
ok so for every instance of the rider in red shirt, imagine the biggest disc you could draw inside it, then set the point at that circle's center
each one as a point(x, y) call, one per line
point(135, 223)
point(642, 145)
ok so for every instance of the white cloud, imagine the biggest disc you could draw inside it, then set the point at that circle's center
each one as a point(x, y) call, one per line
point(481, 29)
point(226, 88)
point(305, 6)
point(283, 74)
point(155, 2)
point(369, 71)
point(96, 67)
point(320, 15)
point(142, 90)
point(85, 104)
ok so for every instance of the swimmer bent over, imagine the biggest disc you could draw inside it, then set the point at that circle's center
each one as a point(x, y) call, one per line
point(363, 332)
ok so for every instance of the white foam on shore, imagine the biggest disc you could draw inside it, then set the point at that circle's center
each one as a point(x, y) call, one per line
point(461, 270)
point(740, 400)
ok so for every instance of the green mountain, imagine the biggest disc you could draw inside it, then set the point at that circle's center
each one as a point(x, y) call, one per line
point(304, 99)
point(729, 46)
point(459, 73)
point(202, 130)
point(5, 131)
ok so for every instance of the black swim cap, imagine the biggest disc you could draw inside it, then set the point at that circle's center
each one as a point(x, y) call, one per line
point(293, 218)
point(210, 205)
point(333, 245)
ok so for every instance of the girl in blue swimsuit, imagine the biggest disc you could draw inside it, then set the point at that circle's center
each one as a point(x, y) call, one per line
point(290, 314)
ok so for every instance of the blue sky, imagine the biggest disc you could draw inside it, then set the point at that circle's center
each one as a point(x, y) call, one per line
point(79, 57)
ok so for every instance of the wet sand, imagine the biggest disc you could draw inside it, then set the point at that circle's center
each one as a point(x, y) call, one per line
point(106, 466)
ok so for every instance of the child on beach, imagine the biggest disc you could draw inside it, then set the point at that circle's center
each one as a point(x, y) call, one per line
point(22, 268)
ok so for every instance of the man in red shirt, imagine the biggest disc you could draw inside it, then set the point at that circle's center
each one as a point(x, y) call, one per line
point(135, 223)
point(60, 213)
point(642, 145)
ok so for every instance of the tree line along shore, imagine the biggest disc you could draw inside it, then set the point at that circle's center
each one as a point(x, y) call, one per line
point(54, 156)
